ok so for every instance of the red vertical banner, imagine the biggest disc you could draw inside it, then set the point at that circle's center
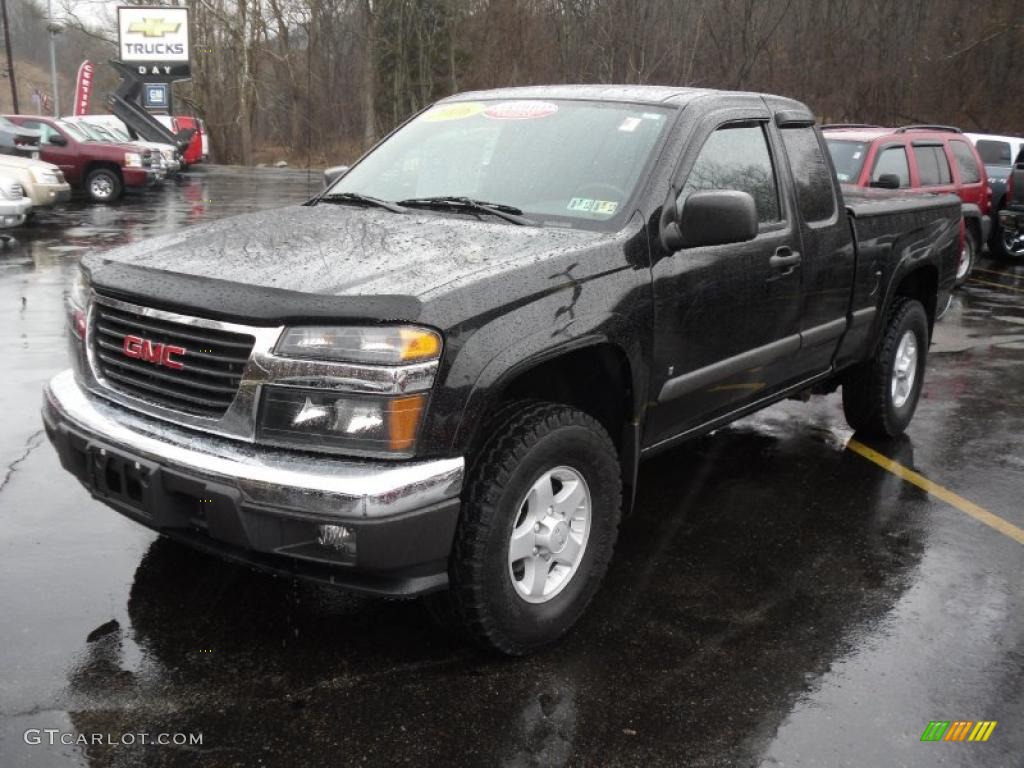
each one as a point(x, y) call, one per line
point(83, 88)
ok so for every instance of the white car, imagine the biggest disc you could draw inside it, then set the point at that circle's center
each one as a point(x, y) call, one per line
point(43, 183)
point(14, 205)
point(118, 132)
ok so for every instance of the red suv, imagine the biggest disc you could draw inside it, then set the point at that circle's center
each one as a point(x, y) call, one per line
point(929, 158)
point(102, 170)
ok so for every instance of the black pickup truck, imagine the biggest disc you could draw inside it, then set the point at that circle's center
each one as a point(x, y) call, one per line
point(440, 375)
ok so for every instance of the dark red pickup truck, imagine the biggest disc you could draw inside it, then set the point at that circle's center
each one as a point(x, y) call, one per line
point(103, 171)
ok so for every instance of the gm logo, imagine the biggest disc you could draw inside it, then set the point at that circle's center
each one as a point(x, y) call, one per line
point(958, 730)
point(154, 27)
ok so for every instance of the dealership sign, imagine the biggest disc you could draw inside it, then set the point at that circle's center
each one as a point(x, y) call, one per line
point(154, 39)
point(83, 88)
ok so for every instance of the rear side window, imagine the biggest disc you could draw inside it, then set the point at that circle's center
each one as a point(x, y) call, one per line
point(46, 132)
point(892, 160)
point(737, 157)
point(932, 166)
point(969, 171)
point(815, 192)
point(994, 152)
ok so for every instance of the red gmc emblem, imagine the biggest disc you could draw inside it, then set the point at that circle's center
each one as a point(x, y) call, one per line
point(158, 354)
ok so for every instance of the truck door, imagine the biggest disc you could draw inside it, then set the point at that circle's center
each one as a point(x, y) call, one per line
point(829, 260)
point(64, 156)
point(726, 316)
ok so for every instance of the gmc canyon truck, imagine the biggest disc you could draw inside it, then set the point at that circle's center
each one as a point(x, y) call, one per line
point(439, 376)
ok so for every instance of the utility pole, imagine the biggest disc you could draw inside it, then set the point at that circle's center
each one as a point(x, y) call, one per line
point(10, 57)
point(53, 29)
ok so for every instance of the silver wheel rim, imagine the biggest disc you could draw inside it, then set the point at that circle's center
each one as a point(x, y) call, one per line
point(102, 186)
point(550, 534)
point(965, 260)
point(904, 369)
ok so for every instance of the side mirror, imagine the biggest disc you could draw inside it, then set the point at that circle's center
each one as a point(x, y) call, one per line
point(58, 140)
point(887, 181)
point(711, 217)
point(331, 175)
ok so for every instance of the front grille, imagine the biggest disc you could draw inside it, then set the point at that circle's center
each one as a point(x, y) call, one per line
point(213, 361)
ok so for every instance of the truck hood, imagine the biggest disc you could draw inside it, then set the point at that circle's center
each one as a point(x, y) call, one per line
point(328, 250)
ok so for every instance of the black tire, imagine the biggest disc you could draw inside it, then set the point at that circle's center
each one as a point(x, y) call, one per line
point(103, 185)
point(972, 244)
point(867, 391)
point(525, 442)
point(996, 246)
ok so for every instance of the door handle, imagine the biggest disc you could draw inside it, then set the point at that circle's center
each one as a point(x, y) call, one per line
point(785, 259)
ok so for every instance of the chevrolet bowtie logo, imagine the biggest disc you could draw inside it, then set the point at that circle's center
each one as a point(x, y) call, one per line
point(154, 27)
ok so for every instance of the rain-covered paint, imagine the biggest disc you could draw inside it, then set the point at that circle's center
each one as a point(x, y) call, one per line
point(508, 297)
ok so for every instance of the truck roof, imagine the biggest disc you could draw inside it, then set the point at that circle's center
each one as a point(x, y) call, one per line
point(872, 132)
point(644, 94)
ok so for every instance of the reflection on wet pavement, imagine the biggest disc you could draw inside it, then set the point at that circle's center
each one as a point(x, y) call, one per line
point(775, 599)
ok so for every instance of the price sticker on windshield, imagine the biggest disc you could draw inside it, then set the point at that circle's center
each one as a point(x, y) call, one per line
point(521, 110)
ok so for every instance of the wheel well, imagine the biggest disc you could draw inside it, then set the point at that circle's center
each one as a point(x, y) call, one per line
point(922, 284)
point(103, 164)
point(595, 379)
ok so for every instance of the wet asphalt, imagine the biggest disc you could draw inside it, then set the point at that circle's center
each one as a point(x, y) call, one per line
point(775, 600)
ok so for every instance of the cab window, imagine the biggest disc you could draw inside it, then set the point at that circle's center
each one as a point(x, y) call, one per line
point(737, 157)
point(893, 161)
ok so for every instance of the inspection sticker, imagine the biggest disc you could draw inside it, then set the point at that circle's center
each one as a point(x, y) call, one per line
point(521, 110)
point(587, 205)
point(458, 111)
point(629, 124)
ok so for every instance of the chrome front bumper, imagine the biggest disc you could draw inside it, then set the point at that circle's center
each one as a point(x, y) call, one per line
point(306, 483)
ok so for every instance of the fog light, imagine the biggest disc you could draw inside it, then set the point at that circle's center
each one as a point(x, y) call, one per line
point(338, 537)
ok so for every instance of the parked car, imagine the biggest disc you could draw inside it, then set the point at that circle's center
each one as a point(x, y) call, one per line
point(15, 207)
point(18, 141)
point(1011, 217)
point(999, 153)
point(43, 183)
point(119, 133)
point(930, 158)
point(402, 388)
point(102, 171)
point(198, 150)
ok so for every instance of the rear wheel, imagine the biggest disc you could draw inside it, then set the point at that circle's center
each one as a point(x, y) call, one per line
point(880, 395)
point(538, 527)
point(968, 255)
point(103, 185)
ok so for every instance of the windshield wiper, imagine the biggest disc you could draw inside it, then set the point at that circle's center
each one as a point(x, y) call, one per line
point(506, 212)
point(355, 197)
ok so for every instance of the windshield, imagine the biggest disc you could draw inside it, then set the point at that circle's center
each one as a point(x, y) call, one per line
point(559, 162)
point(76, 131)
point(848, 158)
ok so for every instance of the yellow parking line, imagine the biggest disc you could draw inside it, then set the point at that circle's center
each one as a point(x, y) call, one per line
point(1018, 275)
point(976, 281)
point(995, 522)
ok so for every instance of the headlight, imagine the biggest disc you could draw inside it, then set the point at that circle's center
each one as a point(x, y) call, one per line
point(357, 424)
point(44, 176)
point(132, 160)
point(380, 345)
point(78, 305)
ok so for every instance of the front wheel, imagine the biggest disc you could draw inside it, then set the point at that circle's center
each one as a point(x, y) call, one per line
point(538, 527)
point(103, 185)
point(881, 394)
